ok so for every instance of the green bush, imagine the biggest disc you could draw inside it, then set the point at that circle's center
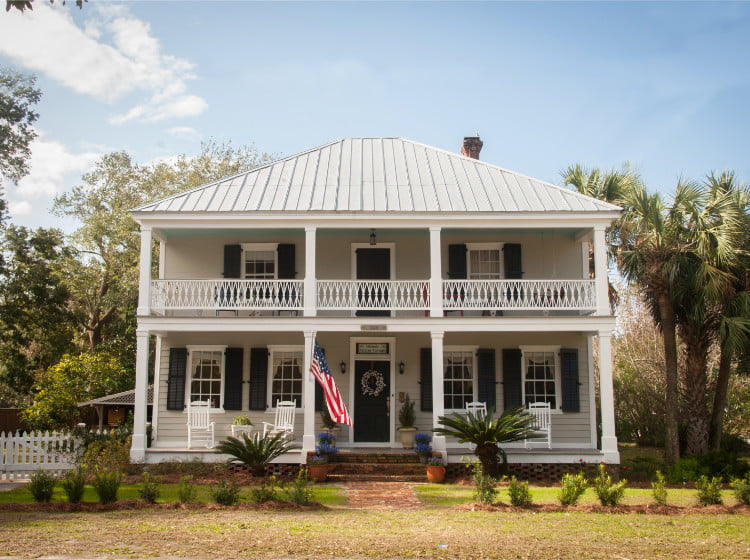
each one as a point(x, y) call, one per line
point(659, 490)
point(642, 469)
point(266, 492)
point(742, 490)
point(110, 454)
point(724, 464)
point(485, 486)
point(194, 467)
point(149, 491)
point(519, 493)
point(609, 493)
point(186, 492)
point(42, 485)
point(73, 484)
point(709, 490)
point(107, 484)
point(226, 493)
point(256, 451)
point(299, 491)
point(572, 488)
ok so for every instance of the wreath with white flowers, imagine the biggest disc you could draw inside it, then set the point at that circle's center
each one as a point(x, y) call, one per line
point(373, 383)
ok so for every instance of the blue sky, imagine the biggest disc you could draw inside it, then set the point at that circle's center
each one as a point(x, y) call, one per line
point(664, 86)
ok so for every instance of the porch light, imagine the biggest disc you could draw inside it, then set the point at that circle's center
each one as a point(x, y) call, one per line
point(401, 367)
point(342, 365)
point(373, 239)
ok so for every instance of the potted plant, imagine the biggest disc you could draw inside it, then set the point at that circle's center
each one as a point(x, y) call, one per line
point(241, 421)
point(435, 469)
point(422, 446)
point(317, 468)
point(406, 418)
point(326, 446)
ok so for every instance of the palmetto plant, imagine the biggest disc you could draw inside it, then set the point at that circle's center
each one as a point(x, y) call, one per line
point(485, 431)
point(256, 451)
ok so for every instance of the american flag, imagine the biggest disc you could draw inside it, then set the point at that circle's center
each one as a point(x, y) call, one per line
point(336, 406)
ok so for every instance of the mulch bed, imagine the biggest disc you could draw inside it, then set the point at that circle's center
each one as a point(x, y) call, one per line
point(640, 508)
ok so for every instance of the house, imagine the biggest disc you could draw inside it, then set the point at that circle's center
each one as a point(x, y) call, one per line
point(419, 271)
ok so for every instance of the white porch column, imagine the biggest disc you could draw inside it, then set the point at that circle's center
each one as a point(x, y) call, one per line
point(601, 272)
point(436, 278)
point(606, 391)
point(310, 291)
point(144, 273)
point(438, 403)
point(138, 446)
point(308, 434)
point(157, 378)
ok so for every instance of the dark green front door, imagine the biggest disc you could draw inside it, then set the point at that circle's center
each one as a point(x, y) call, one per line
point(372, 390)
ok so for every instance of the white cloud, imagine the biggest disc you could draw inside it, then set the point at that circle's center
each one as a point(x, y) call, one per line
point(112, 56)
point(184, 132)
point(19, 208)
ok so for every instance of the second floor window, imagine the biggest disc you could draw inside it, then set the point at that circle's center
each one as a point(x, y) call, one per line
point(259, 261)
point(484, 261)
point(286, 376)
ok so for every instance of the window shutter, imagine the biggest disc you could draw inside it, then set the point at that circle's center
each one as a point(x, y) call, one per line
point(286, 255)
point(176, 378)
point(512, 378)
point(512, 260)
point(258, 378)
point(486, 376)
point(457, 262)
point(233, 379)
point(232, 261)
point(569, 372)
point(425, 379)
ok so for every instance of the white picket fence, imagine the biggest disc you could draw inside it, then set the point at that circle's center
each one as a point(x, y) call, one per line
point(23, 453)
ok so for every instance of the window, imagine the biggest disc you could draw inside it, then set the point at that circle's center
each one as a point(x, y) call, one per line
point(541, 376)
point(259, 261)
point(458, 378)
point(286, 375)
point(484, 261)
point(206, 375)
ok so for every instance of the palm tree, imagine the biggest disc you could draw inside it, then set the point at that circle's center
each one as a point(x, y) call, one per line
point(255, 452)
point(485, 432)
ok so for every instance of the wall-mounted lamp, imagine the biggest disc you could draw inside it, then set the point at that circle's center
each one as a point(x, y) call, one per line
point(401, 367)
point(342, 365)
point(373, 239)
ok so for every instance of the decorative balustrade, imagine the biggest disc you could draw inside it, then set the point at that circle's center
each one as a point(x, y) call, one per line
point(373, 294)
point(527, 295)
point(231, 295)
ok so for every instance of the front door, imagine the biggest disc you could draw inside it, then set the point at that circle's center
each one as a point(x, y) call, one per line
point(373, 264)
point(372, 400)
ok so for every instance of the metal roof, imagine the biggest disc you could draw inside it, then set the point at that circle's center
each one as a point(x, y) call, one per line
point(372, 175)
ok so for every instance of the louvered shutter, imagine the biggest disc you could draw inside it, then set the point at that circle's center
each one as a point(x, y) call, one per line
point(512, 378)
point(258, 378)
point(570, 386)
point(486, 376)
point(425, 379)
point(512, 261)
point(176, 378)
point(233, 379)
point(232, 261)
point(287, 264)
point(457, 262)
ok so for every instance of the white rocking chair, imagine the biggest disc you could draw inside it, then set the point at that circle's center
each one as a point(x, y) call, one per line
point(542, 424)
point(284, 421)
point(199, 425)
point(476, 408)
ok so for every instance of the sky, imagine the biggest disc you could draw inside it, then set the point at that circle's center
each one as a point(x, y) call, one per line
point(663, 86)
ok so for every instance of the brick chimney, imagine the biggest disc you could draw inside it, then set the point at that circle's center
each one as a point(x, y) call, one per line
point(472, 146)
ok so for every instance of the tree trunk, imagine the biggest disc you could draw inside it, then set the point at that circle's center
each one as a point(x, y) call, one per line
point(671, 394)
point(696, 386)
point(488, 456)
point(720, 398)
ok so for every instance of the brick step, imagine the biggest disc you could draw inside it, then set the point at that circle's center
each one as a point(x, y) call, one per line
point(334, 477)
point(381, 469)
point(385, 458)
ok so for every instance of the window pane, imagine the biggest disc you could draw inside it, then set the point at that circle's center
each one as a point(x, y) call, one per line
point(286, 384)
point(260, 265)
point(484, 264)
point(458, 381)
point(205, 382)
point(539, 384)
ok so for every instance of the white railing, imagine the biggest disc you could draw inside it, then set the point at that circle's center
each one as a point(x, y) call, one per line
point(226, 294)
point(529, 295)
point(23, 453)
point(373, 294)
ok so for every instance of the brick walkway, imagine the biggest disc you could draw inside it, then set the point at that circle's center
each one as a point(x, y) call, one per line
point(381, 495)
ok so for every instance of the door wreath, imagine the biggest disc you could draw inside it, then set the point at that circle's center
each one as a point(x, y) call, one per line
point(372, 383)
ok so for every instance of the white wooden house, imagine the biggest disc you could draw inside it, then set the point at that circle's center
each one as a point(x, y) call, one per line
point(419, 271)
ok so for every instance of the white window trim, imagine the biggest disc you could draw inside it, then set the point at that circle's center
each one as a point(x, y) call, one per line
point(483, 246)
point(247, 247)
point(189, 377)
point(269, 375)
point(474, 373)
point(558, 372)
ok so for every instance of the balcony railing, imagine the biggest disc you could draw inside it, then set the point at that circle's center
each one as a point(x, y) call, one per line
point(357, 295)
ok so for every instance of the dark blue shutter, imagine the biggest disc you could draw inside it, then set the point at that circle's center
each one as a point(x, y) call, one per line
point(176, 378)
point(425, 379)
point(512, 261)
point(486, 376)
point(232, 261)
point(286, 256)
point(258, 378)
point(512, 378)
point(569, 371)
point(233, 379)
point(457, 262)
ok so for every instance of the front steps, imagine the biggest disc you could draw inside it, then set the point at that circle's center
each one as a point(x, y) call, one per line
point(356, 466)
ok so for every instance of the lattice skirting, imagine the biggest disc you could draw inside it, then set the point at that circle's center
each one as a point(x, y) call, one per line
point(276, 469)
point(537, 472)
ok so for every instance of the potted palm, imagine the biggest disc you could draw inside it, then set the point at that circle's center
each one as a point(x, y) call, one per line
point(407, 418)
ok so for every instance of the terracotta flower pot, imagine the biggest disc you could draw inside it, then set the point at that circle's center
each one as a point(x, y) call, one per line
point(317, 473)
point(435, 473)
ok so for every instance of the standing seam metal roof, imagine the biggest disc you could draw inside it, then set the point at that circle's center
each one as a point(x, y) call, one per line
point(378, 175)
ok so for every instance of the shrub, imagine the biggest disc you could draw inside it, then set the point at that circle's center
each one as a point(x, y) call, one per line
point(519, 493)
point(709, 490)
point(107, 484)
point(226, 493)
point(42, 485)
point(724, 464)
point(572, 488)
point(609, 493)
point(659, 490)
point(185, 490)
point(73, 484)
point(149, 491)
point(194, 467)
point(255, 451)
point(485, 487)
point(110, 454)
point(642, 469)
point(299, 491)
point(742, 490)
point(406, 414)
point(266, 492)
